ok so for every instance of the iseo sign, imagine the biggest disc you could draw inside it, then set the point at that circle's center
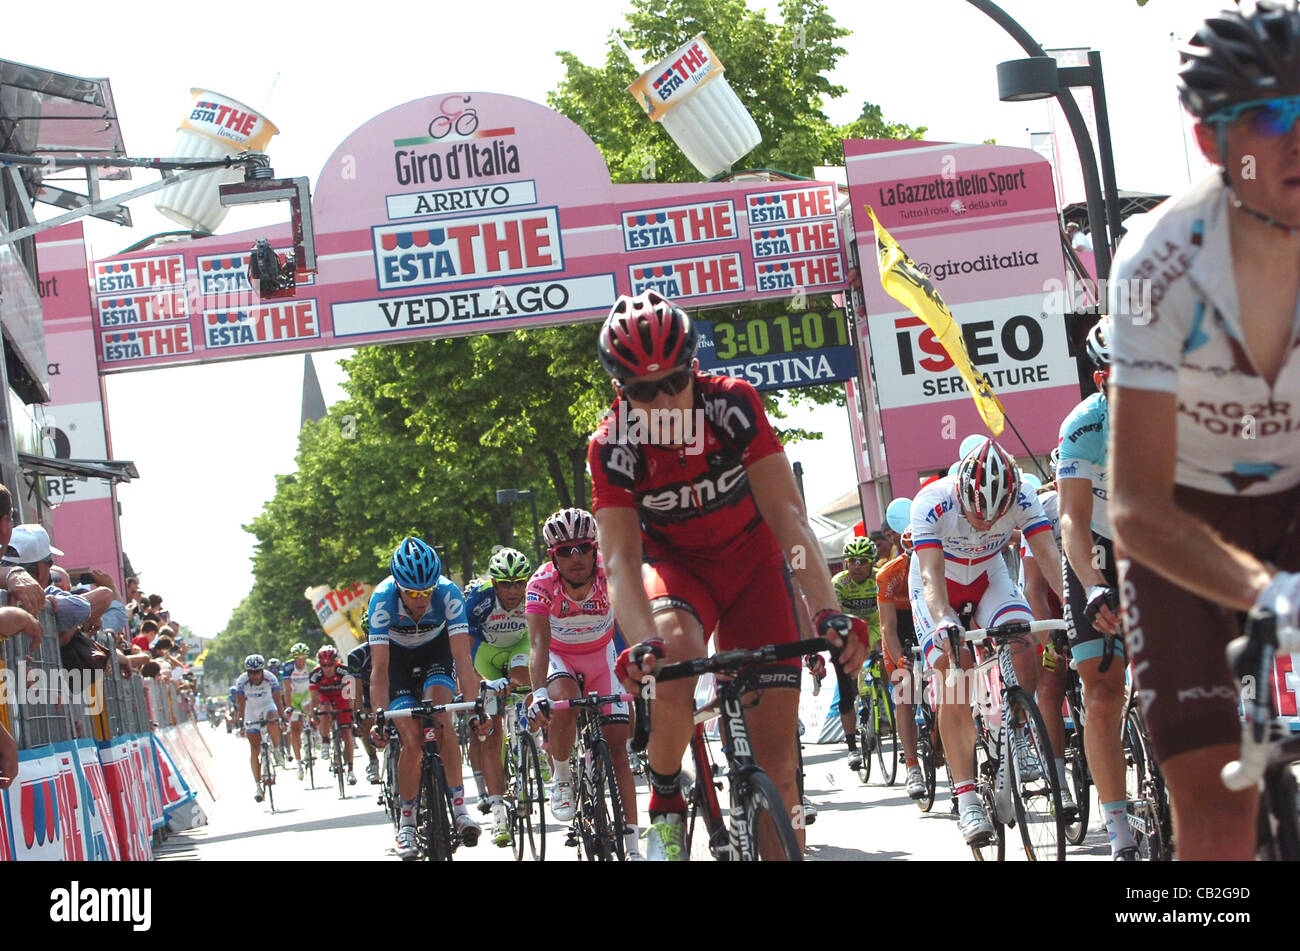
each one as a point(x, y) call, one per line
point(980, 221)
point(468, 213)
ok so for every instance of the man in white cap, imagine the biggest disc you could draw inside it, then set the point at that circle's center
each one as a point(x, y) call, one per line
point(22, 590)
point(29, 546)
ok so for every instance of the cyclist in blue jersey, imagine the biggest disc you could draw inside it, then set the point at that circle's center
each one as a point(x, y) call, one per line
point(496, 624)
point(1091, 590)
point(419, 648)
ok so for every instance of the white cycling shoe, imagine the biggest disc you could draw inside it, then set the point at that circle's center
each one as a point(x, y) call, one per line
point(406, 847)
point(974, 826)
point(562, 805)
point(469, 829)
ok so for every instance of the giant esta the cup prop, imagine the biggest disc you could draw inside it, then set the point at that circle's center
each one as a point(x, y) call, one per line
point(216, 126)
point(687, 92)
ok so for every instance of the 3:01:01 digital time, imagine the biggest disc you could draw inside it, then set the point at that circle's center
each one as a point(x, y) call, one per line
point(760, 336)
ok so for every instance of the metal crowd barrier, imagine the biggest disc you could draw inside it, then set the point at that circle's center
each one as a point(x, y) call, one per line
point(38, 708)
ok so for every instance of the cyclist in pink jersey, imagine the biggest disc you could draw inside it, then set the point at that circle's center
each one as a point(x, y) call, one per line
point(571, 632)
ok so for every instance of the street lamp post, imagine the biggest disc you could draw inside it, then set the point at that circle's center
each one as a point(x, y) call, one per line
point(1040, 77)
point(508, 496)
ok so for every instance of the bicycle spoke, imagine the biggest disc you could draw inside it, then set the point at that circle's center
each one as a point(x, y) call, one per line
point(1037, 790)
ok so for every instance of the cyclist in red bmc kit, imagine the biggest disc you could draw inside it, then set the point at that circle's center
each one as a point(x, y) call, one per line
point(714, 516)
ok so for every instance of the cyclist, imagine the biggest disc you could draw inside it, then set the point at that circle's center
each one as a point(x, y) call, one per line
point(293, 678)
point(715, 527)
point(856, 590)
point(960, 525)
point(571, 631)
point(1092, 590)
point(1204, 396)
point(332, 692)
point(258, 697)
point(899, 637)
point(417, 626)
point(496, 623)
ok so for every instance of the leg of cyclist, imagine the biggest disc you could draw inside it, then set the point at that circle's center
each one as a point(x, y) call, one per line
point(847, 690)
point(439, 684)
point(561, 685)
point(617, 726)
point(325, 720)
point(273, 728)
point(490, 664)
point(254, 756)
point(295, 735)
point(345, 730)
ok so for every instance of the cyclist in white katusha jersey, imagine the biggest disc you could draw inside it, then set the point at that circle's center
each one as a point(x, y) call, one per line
point(259, 701)
point(1205, 414)
point(960, 524)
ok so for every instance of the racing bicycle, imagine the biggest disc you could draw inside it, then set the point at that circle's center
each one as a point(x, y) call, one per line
point(598, 819)
point(877, 731)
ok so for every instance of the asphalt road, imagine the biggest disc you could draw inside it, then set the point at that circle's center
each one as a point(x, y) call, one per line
point(855, 821)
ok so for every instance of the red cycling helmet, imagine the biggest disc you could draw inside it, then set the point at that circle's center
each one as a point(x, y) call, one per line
point(328, 652)
point(645, 334)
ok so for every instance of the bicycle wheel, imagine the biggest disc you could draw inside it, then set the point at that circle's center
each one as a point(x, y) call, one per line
point(995, 849)
point(925, 759)
point(336, 739)
point(710, 839)
point(607, 806)
point(864, 749)
point(529, 818)
point(886, 735)
point(1148, 810)
point(268, 776)
point(1080, 781)
point(765, 818)
point(309, 756)
point(433, 822)
point(1035, 787)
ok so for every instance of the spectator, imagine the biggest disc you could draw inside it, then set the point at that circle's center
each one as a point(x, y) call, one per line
point(60, 578)
point(29, 546)
point(150, 670)
point(1078, 239)
point(24, 590)
point(144, 640)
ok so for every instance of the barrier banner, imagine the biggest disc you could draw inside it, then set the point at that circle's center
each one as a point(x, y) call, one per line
point(172, 787)
point(145, 769)
point(6, 829)
point(194, 746)
point(44, 807)
point(130, 808)
point(101, 831)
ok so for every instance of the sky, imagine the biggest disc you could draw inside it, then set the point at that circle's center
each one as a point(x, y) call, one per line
point(208, 441)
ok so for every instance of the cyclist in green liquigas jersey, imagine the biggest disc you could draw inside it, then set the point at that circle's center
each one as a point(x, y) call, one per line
point(855, 587)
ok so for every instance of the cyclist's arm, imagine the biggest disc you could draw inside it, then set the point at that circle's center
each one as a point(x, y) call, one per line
point(1043, 545)
point(619, 531)
point(1149, 525)
point(378, 676)
point(1075, 499)
point(539, 644)
point(777, 497)
point(934, 579)
point(1036, 589)
point(278, 696)
point(464, 658)
point(240, 699)
point(888, 615)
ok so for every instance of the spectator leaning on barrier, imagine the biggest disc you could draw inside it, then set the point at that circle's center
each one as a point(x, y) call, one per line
point(144, 640)
point(24, 590)
point(60, 579)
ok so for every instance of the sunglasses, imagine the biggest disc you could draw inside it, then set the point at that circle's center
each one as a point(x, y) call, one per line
point(513, 582)
point(569, 551)
point(859, 561)
point(1267, 117)
point(417, 592)
point(647, 391)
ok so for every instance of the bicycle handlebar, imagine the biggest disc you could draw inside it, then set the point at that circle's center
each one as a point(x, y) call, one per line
point(1252, 656)
point(1013, 629)
point(730, 661)
point(592, 700)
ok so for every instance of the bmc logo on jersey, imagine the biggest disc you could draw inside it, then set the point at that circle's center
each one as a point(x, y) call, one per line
point(697, 494)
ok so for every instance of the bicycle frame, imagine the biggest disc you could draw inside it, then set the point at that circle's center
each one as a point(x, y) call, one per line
point(590, 736)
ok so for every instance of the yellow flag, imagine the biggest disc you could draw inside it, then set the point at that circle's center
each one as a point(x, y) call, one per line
point(903, 280)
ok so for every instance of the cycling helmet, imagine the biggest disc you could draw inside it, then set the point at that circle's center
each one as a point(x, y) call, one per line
point(254, 662)
point(1097, 344)
point(509, 565)
point(859, 546)
point(415, 565)
point(300, 650)
point(328, 652)
point(569, 525)
point(1054, 460)
point(1238, 57)
point(987, 481)
point(905, 541)
point(274, 663)
point(644, 334)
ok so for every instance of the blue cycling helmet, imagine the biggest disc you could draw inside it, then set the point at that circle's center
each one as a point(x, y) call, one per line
point(415, 565)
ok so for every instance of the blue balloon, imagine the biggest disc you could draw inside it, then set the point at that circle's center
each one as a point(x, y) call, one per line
point(1031, 482)
point(969, 443)
point(952, 469)
point(899, 514)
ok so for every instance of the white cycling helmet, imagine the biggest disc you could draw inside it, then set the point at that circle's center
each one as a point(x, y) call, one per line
point(987, 481)
point(569, 525)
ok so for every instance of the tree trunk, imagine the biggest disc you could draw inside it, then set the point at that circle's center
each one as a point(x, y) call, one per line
point(578, 465)
point(466, 554)
point(557, 478)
